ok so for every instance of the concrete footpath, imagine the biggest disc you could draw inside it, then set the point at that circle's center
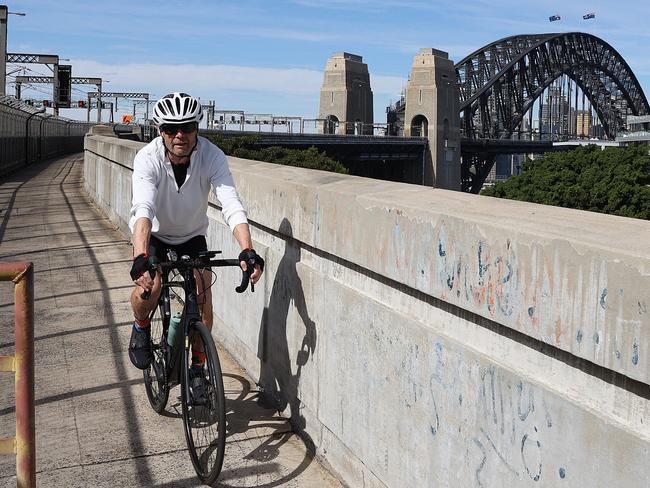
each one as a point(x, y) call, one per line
point(94, 425)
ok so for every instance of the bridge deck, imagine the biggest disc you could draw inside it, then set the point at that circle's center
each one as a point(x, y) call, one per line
point(94, 426)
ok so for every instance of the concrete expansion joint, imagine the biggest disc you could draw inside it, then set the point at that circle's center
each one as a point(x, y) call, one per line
point(113, 460)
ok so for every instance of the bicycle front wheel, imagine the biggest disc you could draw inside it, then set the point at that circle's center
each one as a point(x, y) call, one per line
point(204, 408)
point(155, 377)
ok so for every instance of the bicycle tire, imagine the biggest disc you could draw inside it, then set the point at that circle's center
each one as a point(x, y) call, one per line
point(205, 424)
point(155, 376)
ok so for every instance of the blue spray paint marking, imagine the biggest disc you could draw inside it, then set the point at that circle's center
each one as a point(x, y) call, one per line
point(603, 296)
point(450, 282)
point(507, 264)
point(579, 336)
point(533, 476)
point(482, 268)
point(635, 352)
point(562, 473)
point(618, 354)
point(596, 338)
point(503, 304)
point(531, 311)
point(530, 404)
point(441, 249)
point(480, 467)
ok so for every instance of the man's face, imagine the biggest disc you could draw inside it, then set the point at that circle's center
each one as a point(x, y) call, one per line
point(179, 138)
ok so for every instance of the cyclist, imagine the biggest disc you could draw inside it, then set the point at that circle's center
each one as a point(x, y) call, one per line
point(172, 177)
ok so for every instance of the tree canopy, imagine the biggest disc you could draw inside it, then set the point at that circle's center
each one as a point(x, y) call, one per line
point(613, 181)
point(246, 147)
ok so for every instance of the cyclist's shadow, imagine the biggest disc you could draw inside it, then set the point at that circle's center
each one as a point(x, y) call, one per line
point(278, 385)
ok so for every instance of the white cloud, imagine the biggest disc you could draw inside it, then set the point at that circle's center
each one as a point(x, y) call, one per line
point(204, 80)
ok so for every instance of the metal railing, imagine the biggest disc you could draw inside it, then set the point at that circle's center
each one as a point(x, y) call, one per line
point(28, 136)
point(23, 445)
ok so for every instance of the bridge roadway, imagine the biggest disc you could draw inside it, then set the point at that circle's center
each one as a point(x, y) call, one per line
point(394, 147)
point(94, 426)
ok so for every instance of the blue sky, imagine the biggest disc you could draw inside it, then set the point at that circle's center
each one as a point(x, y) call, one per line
point(268, 56)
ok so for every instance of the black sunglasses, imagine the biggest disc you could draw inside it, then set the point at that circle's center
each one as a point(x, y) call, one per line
point(172, 129)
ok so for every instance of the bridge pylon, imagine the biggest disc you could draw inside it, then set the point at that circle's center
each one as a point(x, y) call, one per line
point(432, 111)
point(346, 97)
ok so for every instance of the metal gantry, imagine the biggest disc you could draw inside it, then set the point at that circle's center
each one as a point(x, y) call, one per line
point(500, 83)
point(127, 95)
point(50, 80)
point(46, 59)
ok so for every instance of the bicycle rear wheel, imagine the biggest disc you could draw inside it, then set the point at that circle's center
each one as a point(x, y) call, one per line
point(155, 377)
point(204, 418)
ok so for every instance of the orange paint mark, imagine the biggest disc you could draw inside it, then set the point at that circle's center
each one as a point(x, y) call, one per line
point(491, 295)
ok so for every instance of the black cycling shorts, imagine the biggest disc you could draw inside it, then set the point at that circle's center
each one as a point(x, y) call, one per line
point(191, 248)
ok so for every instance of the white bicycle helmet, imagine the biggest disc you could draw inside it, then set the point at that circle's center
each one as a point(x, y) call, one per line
point(177, 108)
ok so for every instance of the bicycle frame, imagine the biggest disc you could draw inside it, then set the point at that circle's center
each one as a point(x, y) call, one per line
point(191, 309)
point(191, 313)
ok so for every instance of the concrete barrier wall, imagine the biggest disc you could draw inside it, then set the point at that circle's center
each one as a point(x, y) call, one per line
point(422, 337)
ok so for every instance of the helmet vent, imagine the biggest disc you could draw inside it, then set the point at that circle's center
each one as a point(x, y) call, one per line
point(177, 108)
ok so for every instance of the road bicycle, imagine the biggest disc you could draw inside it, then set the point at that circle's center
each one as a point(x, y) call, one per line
point(204, 411)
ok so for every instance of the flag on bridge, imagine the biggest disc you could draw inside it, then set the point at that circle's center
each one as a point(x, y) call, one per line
point(588, 16)
point(553, 18)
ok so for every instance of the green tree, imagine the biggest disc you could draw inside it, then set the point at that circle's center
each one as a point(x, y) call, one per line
point(614, 181)
point(246, 147)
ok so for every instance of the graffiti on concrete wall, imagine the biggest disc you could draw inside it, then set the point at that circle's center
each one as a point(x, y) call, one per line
point(485, 280)
point(546, 294)
point(501, 419)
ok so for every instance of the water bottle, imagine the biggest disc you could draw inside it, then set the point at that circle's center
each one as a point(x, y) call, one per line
point(174, 326)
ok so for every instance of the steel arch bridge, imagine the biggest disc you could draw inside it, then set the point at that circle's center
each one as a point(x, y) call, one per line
point(499, 84)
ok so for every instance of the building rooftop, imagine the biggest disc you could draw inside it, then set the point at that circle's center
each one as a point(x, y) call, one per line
point(351, 57)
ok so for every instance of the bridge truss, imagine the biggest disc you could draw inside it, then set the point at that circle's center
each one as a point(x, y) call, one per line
point(500, 83)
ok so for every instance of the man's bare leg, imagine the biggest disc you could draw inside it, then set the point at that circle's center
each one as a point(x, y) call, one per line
point(142, 308)
point(140, 352)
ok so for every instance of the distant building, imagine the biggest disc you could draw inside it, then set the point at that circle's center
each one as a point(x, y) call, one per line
point(583, 123)
point(556, 114)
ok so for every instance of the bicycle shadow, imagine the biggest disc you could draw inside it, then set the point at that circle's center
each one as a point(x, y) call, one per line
point(278, 385)
point(250, 425)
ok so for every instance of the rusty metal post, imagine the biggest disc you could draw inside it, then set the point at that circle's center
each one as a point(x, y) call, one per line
point(22, 274)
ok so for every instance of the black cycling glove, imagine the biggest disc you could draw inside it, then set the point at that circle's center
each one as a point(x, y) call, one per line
point(141, 264)
point(251, 258)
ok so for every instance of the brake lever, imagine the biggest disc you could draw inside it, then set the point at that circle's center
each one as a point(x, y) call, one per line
point(244, 282)
point(246, 276)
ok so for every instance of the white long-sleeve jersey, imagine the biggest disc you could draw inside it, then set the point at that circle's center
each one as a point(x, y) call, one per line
point(178, 214)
